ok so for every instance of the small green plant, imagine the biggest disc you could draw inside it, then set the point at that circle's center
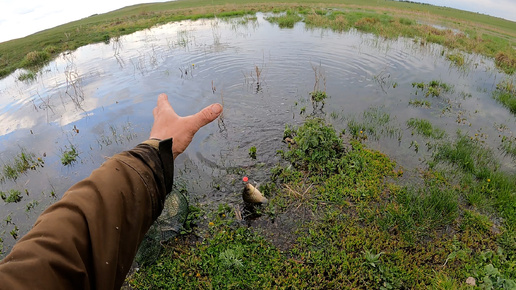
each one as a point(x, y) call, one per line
point(318, 96)
point(316, 145)
point(252, 152)
point(433, 88)
point(288, 20)
point(506, 61)
point(14, 232)
point(425, 128)
point(493, 279)
point(420, 103)
point(69, 156)
point(508, 145)
point(456, 58)
point(467, 154)
point(505, 93)
point(375, 122)
point(13, 196)
point(31, 205)
point(8, 219)
point(21, 164)
point(372, 260)
point(35, 58)
point(232, 258)
point(27, 76)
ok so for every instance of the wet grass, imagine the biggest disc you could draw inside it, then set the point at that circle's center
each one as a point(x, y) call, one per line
point(482, 34)
point(288, 20)
point(252, 152)
point(375, 122)
point(433, 88)
point(505, 93)
point(12, 196)
point(21, 163)
point(393, 26)
point(425, 128)
point(509, 146)
point(366, 230)
point(456, 58)
point(420, 103)
point(69, 156)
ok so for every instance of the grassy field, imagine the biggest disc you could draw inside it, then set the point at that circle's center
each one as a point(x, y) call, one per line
point(483, 34)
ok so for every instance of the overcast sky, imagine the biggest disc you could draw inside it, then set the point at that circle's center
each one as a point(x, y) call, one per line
point(19, 18)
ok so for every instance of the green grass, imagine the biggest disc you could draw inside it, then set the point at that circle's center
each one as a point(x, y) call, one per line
point(20, 164)
point(456, 58)
point(27, 76)
point(493, 37)
point(69, 156)
point(364, 231)
point(11, 196)
point(252, 152)
point(508, 145)
point(318, 96)
point(375, 122)
point(287, 20)
point(434, 88)
point(425, 128)
point(420, 103)
point(505, 93)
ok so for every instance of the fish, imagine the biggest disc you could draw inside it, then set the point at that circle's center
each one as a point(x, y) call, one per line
point(251, 194)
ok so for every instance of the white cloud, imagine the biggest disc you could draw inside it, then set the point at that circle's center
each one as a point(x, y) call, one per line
point(21, 18)
point(499, 8)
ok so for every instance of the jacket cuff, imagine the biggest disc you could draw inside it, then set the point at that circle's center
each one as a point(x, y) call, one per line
point(164, 148)
point(167, 159)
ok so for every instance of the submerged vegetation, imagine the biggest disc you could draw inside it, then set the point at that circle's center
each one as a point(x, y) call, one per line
point(20, 164)
point(433, 88)
point(69, 156)
point(425, 128)
point(505, 93)
point(11, 196)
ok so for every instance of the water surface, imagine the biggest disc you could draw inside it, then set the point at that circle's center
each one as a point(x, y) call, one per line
point(100, 97)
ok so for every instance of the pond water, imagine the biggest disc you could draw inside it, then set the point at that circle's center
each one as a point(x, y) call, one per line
point(99, 100)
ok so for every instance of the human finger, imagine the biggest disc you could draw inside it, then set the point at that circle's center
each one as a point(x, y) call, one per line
point(206, 115)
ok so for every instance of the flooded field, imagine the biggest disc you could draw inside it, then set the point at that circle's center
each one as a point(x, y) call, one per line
point(58, 125)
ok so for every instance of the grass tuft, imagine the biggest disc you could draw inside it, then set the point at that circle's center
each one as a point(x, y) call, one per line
point(69, 156)
point(425, 128)
point(286, 21)
point(505, 93)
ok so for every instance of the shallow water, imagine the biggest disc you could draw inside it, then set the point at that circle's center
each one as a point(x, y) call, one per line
point(99, 99)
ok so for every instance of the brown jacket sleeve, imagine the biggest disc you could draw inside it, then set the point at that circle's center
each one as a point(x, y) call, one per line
point(88, 239)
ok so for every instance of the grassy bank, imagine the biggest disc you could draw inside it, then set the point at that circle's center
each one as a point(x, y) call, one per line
point(490, 36)
point(356, 225)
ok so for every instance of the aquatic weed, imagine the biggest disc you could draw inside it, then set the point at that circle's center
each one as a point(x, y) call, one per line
point(456, 58)
point(420, 103)
point(69, 156)
point(505, 93)
point(20, 164)
point(375, 122)
point(434, 88)
point(288, 20)
point(252, 152)
point(13, 196)
point(425, 128)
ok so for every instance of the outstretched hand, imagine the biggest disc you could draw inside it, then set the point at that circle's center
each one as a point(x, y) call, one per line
point(167, 124)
